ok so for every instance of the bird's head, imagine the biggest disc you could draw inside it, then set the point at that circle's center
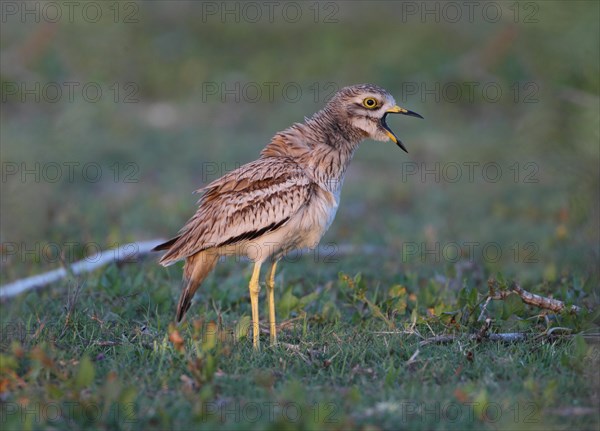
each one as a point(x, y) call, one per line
point(365, 107)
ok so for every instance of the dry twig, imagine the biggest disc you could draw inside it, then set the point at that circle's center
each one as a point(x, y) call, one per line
point(541, 301)
point(125, 253)
point(507, 337)
point(527, 297)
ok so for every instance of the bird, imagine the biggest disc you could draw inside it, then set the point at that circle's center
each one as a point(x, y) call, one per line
point(282, 202)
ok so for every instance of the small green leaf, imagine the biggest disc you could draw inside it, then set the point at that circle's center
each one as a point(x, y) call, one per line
point(307, 299)
point(549, 392)
point(463, 295)
point(512, 305)
point(397, 290)
point(287, 303)
point(480, 403)
point(8, 362)
point(242, 327)
point(85, 373)
point(330, 311)
point(54, 392)
point(210, 367)
point(128, 395)
point(472, 298)
point(400, 306)
point(210, 337)
point(531, 385)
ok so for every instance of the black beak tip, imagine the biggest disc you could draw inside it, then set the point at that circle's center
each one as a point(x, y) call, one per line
point(414, 114)
point(401, 145)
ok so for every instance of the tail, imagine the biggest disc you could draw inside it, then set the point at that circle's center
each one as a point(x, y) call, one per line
point(195, 270)
point(166, 245)
point(174, 251)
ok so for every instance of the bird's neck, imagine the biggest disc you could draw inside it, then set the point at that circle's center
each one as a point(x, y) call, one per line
point(322, 145)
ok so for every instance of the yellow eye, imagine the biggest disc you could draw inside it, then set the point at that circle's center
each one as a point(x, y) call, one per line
point(370, 103)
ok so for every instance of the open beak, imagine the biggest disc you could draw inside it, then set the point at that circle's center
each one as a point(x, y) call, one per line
point(397, 110)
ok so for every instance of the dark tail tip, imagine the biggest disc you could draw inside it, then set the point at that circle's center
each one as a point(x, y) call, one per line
point(180, 315)
point(181, 310)
point(166, 245)
point(185, 302)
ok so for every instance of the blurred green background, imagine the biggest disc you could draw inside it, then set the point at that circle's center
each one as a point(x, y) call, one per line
point(112, 113)
point(186, 95)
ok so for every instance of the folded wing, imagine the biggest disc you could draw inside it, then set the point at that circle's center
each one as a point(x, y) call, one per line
point(244, 204)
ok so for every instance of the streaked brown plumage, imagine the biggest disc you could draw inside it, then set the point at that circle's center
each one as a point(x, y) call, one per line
point(283, 201)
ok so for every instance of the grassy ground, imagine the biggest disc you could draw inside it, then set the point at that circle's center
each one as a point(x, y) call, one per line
point(103, 352)
point(407, 259)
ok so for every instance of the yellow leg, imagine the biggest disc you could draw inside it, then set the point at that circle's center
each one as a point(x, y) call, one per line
point(254, 290)
point(271, 297)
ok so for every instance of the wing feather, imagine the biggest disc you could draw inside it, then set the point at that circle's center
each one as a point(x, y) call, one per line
point(244, 204)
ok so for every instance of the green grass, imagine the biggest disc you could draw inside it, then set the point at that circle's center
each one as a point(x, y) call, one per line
point(105, 353)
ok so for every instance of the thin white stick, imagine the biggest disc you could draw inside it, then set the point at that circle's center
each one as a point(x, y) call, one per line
point(128, 253)
point(122, 254)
